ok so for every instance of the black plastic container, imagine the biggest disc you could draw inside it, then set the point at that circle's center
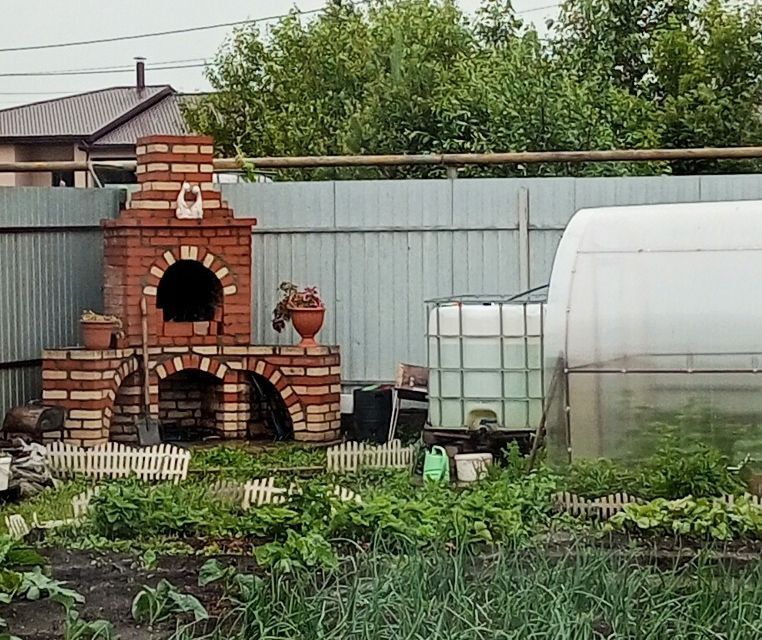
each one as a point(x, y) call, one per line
point(372, 414)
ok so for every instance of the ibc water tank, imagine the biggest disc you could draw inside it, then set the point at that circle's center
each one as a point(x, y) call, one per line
point(485, 363)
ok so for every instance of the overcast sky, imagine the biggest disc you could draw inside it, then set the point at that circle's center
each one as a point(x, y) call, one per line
point(36, 22)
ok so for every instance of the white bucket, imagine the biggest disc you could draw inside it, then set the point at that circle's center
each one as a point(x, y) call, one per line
point(5, 471)
point(472, 466)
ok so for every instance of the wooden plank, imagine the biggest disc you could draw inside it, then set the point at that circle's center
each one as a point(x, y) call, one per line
point(411, 376)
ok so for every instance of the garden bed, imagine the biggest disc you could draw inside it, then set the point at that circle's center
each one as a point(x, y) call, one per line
point(579, 593)
point(333, 539)
point(109, 582)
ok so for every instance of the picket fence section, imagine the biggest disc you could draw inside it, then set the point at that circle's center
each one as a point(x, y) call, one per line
point(351, 456)
point(117, 460)
point(80, 504)
point(606, 506)
point(228, 490)
point(264, 491)
point(17, 526)
point(754, 499)
point(603, 507)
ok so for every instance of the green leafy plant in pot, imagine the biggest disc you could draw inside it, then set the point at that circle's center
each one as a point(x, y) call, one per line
point(303, 308)
point(97, 329)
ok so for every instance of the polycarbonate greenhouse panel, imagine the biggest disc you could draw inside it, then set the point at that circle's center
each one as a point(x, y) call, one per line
point(654, 318)
point(626, 415)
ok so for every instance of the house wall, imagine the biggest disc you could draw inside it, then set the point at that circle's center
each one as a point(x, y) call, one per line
point(40, 153)
point(81, 178)
point(7, 154)
point(53, 152)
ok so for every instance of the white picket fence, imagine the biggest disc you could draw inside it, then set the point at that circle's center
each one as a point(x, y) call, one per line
point(17, 526)
point(351, 456)
point(80, 504)
point(264, 491)
point(117, 460)
point(606, 506)
point(603, 507)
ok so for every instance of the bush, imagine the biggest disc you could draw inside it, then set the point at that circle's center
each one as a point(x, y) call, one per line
point(670, 473)
point(133, 509)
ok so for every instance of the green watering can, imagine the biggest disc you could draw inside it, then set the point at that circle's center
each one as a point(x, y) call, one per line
point(436, 465)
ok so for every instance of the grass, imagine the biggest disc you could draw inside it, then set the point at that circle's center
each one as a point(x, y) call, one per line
point(243, 464)
point(49, 504)
point(584, 594)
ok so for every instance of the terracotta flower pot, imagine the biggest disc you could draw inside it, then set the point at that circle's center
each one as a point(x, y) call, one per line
point(307, 322)
point(96, 336)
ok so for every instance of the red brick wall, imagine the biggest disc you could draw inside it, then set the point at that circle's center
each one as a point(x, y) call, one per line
point(128, 406)
point(147, 238)
point(189, 399)
point(99, 389)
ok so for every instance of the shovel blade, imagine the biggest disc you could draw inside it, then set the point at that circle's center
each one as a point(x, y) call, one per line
point(148, 431)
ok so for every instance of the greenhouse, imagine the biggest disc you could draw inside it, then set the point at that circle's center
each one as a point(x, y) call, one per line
point(654, 323)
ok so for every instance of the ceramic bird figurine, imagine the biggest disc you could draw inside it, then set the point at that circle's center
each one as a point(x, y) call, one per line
point(196, 210)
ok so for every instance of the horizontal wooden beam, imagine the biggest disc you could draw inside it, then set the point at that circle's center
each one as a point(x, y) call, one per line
point(429, 159)
point(519, 157)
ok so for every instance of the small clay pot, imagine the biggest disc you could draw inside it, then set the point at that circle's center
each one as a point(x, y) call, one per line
point(96, 336)
point(307, 323)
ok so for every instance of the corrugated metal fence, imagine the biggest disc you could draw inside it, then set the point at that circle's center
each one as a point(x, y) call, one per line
point(50, 269)
point(378, 249)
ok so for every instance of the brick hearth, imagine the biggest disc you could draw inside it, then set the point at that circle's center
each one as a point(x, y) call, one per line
point(195, 275)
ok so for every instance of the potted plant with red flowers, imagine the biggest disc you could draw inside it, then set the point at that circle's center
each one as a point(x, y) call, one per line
point(303, 308)
point(97, 330)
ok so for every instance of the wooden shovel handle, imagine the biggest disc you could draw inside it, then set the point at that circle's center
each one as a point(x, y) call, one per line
point(144, 344)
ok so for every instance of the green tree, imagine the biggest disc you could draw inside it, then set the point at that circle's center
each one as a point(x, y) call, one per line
point(418, 76)
point(697, 61)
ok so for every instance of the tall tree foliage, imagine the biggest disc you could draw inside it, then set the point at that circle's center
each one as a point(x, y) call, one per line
point(416, 76)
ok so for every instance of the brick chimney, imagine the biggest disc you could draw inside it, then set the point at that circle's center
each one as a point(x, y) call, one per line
point(195, 272)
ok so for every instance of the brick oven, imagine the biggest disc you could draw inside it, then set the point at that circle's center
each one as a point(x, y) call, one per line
point(178, 246)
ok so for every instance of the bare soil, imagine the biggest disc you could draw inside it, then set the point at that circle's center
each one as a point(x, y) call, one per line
point(109, 582)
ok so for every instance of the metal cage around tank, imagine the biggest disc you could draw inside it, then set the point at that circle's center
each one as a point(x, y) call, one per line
point(485, 359)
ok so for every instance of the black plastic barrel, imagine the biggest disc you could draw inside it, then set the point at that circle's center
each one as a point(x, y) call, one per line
point(372, 413)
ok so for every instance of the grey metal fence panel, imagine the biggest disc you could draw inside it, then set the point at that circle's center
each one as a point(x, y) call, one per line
point(284, 205)
point(378, 249)
point(731, 188)
point(601, 192)
point(372, 204)
point(50, 270)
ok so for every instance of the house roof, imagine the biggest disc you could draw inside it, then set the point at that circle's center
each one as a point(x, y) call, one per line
point(113, 116)
point(163, 117)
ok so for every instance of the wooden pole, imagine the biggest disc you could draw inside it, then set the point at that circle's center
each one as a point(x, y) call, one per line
point(520, 157)
point(433, 159)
